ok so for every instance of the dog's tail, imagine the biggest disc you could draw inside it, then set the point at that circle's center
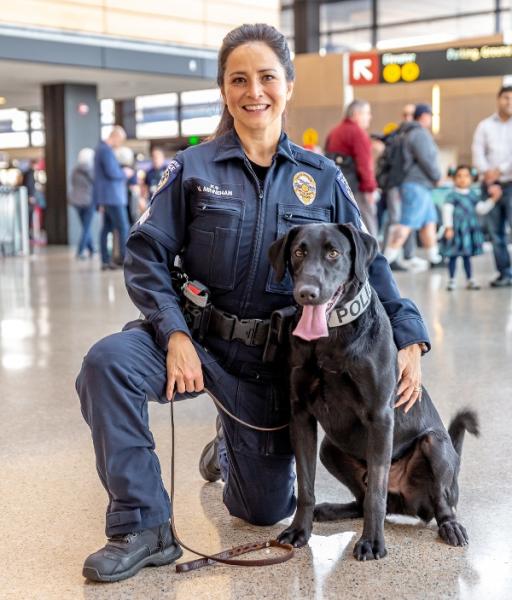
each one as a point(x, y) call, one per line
point(464, 420)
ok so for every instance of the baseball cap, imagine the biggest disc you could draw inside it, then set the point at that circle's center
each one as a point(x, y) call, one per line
point(421, 109)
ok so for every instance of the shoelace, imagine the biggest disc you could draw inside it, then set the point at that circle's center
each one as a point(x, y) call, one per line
point(126, 538)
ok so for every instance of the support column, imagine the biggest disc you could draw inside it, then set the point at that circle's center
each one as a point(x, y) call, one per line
point(306, 15)
point(125, 116)
point(72, 122)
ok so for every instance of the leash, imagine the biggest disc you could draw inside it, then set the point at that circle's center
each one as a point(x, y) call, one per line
point(226, 556)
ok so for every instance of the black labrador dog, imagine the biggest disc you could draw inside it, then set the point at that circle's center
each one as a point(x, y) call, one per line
point(344, 376)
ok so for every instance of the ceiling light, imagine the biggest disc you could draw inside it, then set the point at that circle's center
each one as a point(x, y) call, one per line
point(2, 100)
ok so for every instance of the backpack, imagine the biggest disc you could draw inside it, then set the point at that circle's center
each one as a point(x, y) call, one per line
point(390, 170)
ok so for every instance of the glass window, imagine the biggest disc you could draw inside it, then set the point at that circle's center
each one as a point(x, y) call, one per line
point(156, 116)
point(200, 111)
point(15, 139)
point(107, 110)
point(394, 11)
point(36, 120)
point(444, 31)
point(345, 15)
point(347, 40)
point(286, 25)
point(37, 138)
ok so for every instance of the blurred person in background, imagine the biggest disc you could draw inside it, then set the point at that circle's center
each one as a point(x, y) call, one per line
point(350, 139)
point(154, 174)
point(492, 156)
point(126, 159)
point(81, 198)
point(111, 194)
point(463, 236)
point(422, 172)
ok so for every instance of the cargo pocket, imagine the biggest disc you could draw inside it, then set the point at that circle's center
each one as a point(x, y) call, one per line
point(289, 215)
point(211, 252)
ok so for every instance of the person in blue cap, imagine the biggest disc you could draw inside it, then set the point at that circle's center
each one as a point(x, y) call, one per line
point(219, 206)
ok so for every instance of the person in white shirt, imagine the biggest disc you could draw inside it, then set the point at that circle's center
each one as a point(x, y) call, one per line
point(492, 155)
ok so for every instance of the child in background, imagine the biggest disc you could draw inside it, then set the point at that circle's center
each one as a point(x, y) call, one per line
point(462, 232)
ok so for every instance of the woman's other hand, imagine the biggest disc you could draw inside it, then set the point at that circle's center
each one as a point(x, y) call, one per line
point(409, 376)
point(183, 366)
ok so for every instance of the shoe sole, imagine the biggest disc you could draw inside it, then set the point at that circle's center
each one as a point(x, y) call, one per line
point(165, 557)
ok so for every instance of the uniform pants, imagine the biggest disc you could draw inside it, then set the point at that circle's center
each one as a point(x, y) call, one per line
point(121, 373)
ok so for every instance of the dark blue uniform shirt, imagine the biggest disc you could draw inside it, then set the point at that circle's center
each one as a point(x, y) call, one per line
point(211, 208)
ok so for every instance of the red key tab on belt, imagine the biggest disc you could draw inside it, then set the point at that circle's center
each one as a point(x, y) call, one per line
point(196, 292)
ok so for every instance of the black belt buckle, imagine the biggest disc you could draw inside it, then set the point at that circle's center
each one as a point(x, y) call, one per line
point(245, 330)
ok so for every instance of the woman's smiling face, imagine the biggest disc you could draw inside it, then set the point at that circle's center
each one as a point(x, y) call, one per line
point(255, 89)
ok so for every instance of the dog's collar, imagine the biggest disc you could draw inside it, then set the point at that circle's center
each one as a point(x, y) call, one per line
point(346, 313)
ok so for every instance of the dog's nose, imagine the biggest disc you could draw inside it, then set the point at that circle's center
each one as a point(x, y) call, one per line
point(308, 292)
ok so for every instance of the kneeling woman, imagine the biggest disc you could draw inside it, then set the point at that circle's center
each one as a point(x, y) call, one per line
point(219, 205)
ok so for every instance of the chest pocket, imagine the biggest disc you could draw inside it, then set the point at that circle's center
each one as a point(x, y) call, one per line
point(289, 215)
point(211, 253)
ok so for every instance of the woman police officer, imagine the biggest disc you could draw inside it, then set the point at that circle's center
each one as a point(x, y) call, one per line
point(219, 206)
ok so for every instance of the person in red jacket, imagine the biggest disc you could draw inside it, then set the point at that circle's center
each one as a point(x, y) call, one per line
point(351, 140)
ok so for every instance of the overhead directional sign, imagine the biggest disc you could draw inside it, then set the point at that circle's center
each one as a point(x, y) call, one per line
point(364, 68)
point(451, 63)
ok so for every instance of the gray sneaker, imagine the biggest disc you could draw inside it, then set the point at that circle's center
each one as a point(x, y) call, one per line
point(209, 460)
point(125, 555)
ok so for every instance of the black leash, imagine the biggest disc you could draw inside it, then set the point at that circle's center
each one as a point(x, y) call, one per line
point(226, 556)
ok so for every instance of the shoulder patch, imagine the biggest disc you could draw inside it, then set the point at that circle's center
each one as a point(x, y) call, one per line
point(168, 176)
point(345, 188)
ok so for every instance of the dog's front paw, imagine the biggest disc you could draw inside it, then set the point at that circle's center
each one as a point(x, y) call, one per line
point(366, 549)
point(296, 536)
point(453, 533)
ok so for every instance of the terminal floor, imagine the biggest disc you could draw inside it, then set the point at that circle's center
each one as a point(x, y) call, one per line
point(53, 308)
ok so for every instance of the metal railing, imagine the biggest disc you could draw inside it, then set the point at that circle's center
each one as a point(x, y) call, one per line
point(14, 226)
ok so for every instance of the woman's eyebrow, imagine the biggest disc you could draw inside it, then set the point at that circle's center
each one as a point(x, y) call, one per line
point(259, 71)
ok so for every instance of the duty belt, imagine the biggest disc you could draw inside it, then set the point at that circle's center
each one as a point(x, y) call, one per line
point(251, 332)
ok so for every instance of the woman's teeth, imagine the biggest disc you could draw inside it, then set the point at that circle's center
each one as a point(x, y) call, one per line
point(255, 107)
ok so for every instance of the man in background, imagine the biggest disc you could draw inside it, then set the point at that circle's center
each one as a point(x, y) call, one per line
point(111, 195)
point(422, 172)
point(350, 139)
point(492, 156)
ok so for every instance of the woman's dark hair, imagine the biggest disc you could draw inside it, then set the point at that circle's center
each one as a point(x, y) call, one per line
point(259, 32)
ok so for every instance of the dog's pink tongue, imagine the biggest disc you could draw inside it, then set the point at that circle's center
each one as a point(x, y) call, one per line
point(313, 323)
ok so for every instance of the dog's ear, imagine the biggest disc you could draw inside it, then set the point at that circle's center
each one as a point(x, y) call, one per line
point(279, 252)
point(365, 249)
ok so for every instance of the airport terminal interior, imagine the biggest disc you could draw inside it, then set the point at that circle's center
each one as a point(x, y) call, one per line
point(69, 72)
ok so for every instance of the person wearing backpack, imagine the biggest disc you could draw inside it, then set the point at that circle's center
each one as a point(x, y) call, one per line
point(419, 174)
point(350, 141)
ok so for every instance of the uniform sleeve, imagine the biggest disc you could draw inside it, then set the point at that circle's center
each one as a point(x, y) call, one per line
point(152, 246)
point(406, 321)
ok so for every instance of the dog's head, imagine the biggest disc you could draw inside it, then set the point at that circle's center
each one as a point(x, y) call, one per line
point(321, 258)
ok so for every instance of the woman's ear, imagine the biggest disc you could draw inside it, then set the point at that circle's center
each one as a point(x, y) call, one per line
point(289, 91)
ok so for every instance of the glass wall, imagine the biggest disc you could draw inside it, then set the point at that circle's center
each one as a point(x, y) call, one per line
point(361, 24)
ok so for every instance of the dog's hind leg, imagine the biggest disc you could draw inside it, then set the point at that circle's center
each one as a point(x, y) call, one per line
point(444, 462)
point(348, 471)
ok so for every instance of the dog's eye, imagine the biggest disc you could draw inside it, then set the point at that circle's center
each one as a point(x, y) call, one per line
point(300, 253)
point(333, 253)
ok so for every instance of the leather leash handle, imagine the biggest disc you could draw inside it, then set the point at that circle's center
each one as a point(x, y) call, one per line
point(226, 556)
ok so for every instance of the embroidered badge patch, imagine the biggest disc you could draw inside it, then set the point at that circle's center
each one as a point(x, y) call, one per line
point(163, 180)
point(169, 174)
point(304, 187)
point(144, 216)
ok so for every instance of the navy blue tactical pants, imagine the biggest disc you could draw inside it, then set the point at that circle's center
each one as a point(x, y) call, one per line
point(121, 373)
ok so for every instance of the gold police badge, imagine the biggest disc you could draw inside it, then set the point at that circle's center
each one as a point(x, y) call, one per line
point(304, 187)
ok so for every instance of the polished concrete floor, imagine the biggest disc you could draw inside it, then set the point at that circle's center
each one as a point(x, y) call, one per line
point(53, 308)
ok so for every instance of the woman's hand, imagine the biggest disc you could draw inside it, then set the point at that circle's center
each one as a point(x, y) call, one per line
point(183, 366)
point(409, 376)
point(449, 233)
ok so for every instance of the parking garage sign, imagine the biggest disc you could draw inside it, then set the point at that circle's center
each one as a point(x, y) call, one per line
point(451, 63)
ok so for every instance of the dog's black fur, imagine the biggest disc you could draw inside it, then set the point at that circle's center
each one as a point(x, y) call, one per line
point(347, 382)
